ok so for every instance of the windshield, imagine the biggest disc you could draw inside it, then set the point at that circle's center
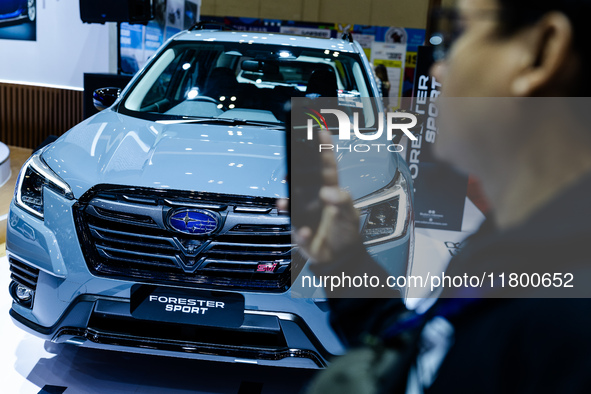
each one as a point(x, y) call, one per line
point(238, 81)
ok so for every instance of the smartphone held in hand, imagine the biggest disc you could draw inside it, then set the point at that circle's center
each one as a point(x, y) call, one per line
point(304, 168)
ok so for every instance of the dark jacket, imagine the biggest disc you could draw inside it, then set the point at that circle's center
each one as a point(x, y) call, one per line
point(510, 340)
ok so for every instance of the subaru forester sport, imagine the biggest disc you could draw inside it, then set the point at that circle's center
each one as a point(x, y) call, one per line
point(152, 226)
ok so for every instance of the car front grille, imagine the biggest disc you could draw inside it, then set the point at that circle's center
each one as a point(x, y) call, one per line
point(126, 233)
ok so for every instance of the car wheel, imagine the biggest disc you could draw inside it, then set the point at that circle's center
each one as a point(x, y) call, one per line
point(32, 11)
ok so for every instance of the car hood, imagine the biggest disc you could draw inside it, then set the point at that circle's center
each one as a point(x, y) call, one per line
point(110, 148)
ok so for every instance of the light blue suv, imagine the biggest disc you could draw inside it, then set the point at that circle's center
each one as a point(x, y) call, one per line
point(151, 227)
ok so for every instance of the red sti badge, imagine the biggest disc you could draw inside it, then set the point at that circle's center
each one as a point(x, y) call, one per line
point(266, 267)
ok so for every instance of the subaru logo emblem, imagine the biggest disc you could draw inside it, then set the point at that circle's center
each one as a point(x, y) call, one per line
point(194, 221)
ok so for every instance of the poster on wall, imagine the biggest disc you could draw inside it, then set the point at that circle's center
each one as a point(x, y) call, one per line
point(175, 17)
point(415, 38)
point(18, 20)
point(305, 31)
point(412, 38)
point(138, 43)
point(392, 56)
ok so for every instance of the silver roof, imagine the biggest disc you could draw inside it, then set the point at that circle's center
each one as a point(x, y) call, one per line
point(333, 44)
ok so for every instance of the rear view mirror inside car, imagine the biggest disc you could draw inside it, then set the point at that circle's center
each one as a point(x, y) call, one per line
point(262, 66)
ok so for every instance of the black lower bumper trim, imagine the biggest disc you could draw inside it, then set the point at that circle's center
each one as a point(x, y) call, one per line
point(33, 326)
point(254, 353)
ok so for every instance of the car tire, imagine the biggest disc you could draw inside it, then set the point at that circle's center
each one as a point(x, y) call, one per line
point(31, 10)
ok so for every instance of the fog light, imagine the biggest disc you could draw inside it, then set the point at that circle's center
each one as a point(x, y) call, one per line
point(23, 293)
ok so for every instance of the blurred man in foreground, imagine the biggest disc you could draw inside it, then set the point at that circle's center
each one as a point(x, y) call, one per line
point(533, 158)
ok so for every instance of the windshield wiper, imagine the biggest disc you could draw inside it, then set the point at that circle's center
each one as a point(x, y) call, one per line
point(226, 121)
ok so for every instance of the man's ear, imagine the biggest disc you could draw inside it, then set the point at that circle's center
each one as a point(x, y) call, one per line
point(549, 56)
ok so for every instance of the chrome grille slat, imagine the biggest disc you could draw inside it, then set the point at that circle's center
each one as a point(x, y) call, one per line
point(96, 232)
point(215, 207)
point(135, 219)
point(109, 253)
point(151, 251)
point(249, 253)
point(250, 245)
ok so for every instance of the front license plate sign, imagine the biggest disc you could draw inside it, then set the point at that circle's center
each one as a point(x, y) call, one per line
point(187, 306)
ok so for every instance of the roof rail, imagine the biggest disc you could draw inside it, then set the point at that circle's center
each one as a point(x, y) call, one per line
point(347, 36)
point(203, 25)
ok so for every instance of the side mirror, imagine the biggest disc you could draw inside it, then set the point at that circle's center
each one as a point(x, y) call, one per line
point(103, 98)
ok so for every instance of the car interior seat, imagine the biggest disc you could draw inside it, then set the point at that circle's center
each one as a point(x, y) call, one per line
point(221, 82)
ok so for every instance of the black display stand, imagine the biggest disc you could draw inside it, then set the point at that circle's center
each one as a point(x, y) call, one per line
point(440, 192)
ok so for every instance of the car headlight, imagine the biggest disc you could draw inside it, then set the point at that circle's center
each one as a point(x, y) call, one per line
point(386, 212)
point(34, 177)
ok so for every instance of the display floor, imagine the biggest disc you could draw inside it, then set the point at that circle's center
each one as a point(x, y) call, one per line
point(29, 365)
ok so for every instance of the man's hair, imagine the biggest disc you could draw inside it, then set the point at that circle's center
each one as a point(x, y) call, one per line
point(517, 14)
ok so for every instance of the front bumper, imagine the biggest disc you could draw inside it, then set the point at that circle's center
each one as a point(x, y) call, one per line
point(74, 306)
point(265, 338)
